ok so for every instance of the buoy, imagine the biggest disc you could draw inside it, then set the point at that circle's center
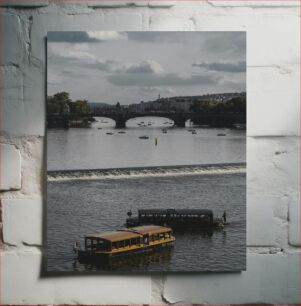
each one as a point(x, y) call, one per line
point(156, 141)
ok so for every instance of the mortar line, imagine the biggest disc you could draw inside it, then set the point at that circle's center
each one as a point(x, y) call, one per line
point(1, 133)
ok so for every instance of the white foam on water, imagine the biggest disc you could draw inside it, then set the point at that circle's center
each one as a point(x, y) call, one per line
point(116, 174)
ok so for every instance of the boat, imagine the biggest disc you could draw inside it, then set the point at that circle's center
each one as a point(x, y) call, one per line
point(178, 218)
point(99, 128)
point(193, 132)
point(110, 133)
point(124, 242)
point(143, 137)
point(121, 132)
point(164, 131)
point(221, 134)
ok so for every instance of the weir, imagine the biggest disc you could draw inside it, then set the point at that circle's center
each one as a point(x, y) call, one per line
point(61, 175)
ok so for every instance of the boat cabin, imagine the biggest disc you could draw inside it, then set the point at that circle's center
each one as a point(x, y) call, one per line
point(107, 241)
point(135, 238)
point(171, 216)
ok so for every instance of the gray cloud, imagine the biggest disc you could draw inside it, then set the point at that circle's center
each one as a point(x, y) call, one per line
point(85, 37)
point(103, 66)
point(169, 79)
point(148, 66)
point(234, 86)
point(223, 66)
point(231, 44)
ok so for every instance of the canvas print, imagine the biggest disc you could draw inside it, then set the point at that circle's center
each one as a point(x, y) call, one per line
point(146, 151)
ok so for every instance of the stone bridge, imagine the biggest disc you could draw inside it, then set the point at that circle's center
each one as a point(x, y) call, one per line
point(179, 118)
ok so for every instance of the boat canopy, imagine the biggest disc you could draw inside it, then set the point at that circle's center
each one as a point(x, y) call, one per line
point(114, 236)
point(129, 233)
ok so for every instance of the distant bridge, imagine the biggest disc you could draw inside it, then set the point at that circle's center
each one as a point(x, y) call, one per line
point(179, 118)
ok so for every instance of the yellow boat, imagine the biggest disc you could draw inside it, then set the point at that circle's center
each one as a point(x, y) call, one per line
point(125, 242)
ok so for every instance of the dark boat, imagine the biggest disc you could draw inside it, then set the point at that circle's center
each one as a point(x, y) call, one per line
point(178, 218)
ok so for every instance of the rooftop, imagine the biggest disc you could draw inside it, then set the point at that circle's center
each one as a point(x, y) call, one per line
point(191, 211)
point(129, 233)
point(114, 236)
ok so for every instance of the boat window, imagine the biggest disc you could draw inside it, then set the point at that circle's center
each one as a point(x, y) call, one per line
point(93, 244)
point(126, 243)
point(88, 243)
point(120, 244)
point(100, 245)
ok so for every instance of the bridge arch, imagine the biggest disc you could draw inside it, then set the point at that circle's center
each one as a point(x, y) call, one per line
point(149, 121)
point(121, 117)
point(104, 121)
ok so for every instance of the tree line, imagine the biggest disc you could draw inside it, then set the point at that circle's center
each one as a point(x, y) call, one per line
point(61, 104)
point(234, 105)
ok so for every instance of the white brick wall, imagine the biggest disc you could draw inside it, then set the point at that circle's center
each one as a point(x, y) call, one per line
point(273, 198)
point(10, 167)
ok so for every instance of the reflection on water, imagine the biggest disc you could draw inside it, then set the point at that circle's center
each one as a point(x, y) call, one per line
point(136, 261)
point(79, 205)
point(95, 149)
point(100, 205)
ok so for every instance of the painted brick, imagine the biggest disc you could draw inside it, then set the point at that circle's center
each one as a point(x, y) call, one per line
point(23, 100)
point(251, 3)
point(272, 88)
point(273, 180)
point(294, 221)
point(22, 284)
point(268, 279)
point(166, 4)
point(115, 4)
point(10, 169)
point(273, 166)
point(13, 43)
point(33, 166)
point(24, 3)
point(170, 23)
point(260, 219)
point(22, 221)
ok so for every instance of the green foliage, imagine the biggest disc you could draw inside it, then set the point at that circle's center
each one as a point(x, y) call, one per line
point(60, 104)
point(235, 105)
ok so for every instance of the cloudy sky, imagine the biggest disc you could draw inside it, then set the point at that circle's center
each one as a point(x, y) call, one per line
point(130, 67)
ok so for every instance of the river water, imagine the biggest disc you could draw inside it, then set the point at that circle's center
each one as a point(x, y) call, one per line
point(87, 201)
